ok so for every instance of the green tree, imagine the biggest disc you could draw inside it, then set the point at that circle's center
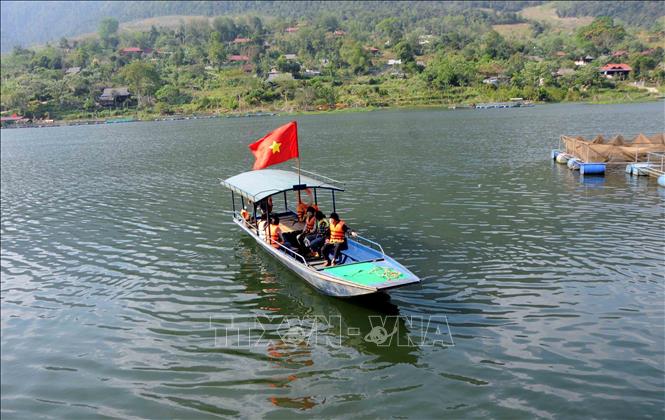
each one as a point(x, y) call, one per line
point(107, 30)
point(355, 56)
point(171, 95)
point(602, 34)
point(642, 64)
point(404, 51)
point(142, 79)
point(495, 46)
point(255, 26)
point(391, 28)
point(532, 73)
point(216, 50)
point(225, 27)
point(327, 22)
point(450, 70)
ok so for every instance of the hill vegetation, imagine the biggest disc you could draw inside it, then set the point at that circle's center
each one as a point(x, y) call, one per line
point(363, 54)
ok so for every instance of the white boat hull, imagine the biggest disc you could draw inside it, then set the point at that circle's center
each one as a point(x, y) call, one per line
point(326, 283)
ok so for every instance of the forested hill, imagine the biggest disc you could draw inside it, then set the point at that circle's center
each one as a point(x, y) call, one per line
point(638, 13)
point(29, 23)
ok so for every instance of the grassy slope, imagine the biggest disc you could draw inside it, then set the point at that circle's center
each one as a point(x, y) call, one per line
point(546, 13)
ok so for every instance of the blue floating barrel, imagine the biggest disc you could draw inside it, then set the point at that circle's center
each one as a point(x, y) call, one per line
point(592, 168)
point(661, 180)
point(555, 153)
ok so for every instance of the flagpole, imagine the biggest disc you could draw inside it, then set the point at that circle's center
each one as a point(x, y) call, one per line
point(298, 147)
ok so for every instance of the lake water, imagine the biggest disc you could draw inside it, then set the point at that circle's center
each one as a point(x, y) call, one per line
point(127, 292)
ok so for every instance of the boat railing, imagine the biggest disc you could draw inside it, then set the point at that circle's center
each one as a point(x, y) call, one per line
point(378, 245)
point(656, 160)
point(271, 242)
point(288, 250)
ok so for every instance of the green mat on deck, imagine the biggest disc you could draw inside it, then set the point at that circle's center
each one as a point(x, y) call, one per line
point(366, 274)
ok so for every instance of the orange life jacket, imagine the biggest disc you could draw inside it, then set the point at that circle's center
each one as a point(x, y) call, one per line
point(274, 236)
point(244, 214)
point(301, 209)
point(309, 223)
point(337, 232)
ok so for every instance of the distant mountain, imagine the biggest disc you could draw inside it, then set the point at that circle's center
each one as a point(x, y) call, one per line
point(37, 22)
point(636, 13)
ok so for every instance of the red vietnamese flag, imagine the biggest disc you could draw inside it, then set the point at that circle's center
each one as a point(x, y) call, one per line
point(277, 146)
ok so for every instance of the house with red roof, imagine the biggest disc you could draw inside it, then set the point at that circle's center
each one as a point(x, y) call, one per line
point(13, 119)
point(238, 58)
point(615, 70)
point(131, 51)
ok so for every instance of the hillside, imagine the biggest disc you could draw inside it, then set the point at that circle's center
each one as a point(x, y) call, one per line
point(366, 58)
point(37, 22)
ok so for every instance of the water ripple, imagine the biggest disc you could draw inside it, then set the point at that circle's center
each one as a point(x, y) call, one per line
point(126, 291)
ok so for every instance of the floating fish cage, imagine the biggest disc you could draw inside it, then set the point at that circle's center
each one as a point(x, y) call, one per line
point(643, 155)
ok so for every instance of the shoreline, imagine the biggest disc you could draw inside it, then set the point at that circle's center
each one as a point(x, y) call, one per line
point(120, 119)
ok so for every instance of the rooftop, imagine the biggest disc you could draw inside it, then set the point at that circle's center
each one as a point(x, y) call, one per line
point(616, 67)
point(257, 185)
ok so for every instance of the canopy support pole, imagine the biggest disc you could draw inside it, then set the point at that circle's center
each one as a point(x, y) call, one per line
point(333, 197)
point(256, 221)
point(233, 201)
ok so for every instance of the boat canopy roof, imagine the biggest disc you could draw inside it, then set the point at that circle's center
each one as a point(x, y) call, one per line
point(257, 185)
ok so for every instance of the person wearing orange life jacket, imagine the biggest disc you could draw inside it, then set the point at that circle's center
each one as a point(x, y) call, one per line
point(321, 233)
point(274, 237)
point(310, 226)
point(337, 241)
point(245, 216)
point(301, 207)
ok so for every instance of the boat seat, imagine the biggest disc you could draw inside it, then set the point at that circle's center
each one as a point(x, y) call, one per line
point(344, 257)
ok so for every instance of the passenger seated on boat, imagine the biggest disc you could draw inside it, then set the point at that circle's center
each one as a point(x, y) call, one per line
point(245, 216)
point(315, 241)
point(310, 226)
point(262, 226)
point(337, 241)
point(276, 238)
point(302, 207)
point(266, 202)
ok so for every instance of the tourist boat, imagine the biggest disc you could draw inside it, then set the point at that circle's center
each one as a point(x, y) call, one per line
point(363, 268)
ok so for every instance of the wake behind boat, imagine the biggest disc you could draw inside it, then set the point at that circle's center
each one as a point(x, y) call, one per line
point(363, 267)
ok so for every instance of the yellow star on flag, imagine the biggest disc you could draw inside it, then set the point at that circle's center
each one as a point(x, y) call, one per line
point(275, 147)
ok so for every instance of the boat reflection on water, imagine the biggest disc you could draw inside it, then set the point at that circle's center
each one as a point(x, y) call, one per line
point(370, 324)
point(299, 320)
